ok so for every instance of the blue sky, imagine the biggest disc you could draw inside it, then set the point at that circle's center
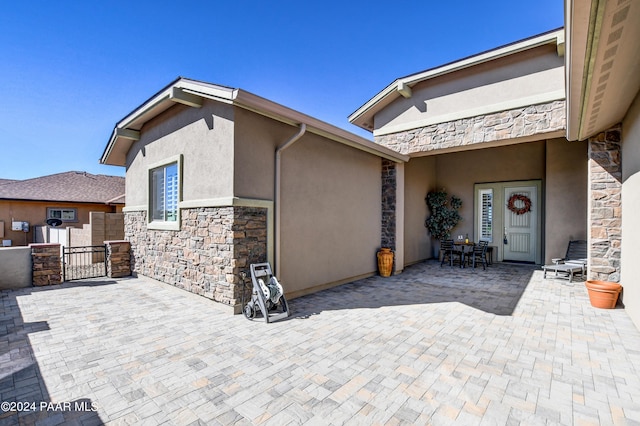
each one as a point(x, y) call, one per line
point(69, 70)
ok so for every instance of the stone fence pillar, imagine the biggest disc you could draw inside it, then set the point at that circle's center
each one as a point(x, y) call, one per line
point(118, 258)
point(46, 264)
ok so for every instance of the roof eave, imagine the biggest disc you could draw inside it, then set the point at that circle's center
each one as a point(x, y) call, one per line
point(602, 66)
point(191, 92)
point(183, 91)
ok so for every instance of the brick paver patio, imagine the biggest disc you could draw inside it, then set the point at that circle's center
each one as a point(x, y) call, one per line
point(430, 346)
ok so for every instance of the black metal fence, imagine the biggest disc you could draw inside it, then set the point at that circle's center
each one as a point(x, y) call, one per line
point(84, 262)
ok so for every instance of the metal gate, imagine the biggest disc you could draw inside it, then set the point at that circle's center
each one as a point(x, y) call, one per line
point(84, 262)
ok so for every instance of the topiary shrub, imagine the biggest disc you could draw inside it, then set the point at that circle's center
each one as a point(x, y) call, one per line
point(444, 214)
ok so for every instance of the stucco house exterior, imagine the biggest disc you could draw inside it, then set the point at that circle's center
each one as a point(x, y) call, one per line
point(554, 117)
point(221, 178)
point(484, 128)
point(68, 196)
point(218, 178)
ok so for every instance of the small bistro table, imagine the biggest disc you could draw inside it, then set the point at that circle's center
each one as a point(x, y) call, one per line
point(463, 245)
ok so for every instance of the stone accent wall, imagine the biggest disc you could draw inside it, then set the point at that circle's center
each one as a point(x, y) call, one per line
point(388, 230)
point(206, 255)
point(605, 205)
point(46, 264)
point(118, 258)
point(505, 125)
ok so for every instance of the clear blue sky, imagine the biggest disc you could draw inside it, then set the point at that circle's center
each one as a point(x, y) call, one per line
point(69, 70)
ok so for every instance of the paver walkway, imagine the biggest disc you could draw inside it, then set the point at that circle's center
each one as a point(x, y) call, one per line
point(430, 346)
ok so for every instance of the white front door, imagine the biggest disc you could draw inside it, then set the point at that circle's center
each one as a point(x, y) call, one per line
point(520, 230)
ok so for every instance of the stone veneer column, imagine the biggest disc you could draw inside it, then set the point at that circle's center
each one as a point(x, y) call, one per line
point(118, 258)
point(605, 205)
point(46, 264)
point(389, 183)
point(207, 254)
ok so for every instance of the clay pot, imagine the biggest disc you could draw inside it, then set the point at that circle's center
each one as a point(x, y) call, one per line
point(603, 294)
point(385, 262)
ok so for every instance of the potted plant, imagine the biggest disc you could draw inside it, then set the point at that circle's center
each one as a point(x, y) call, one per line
point(444, 214)
point(603, 294)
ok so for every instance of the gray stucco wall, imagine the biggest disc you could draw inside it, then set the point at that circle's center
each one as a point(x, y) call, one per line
point(630, 267)
point(420, 178)
point(458, 172)
point(204, 137)
point(15, 267)
point(330, 205)
point(529, 77)
point(257, 138)
point(330, 214)
point(565, 195)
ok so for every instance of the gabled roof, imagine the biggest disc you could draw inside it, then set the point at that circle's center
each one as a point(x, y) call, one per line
point(192, 93)
point(363, 116)
point(76, 187)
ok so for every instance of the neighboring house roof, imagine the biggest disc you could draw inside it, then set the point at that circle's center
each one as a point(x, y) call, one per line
point(364, 116)
point(78, 187)
point(192, 93)
point(602, 64)
point(3, 181)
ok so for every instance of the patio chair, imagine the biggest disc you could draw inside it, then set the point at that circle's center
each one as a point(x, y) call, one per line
point(449, 252)
point(479, 253)
point(574, 261)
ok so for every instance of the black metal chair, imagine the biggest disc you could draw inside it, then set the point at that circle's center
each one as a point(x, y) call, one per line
point(449, 252)
point(479, 253)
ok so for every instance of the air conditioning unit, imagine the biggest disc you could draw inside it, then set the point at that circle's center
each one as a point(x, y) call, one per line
point(6, 243)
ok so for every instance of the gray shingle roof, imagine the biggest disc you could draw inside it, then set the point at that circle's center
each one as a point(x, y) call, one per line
point(80, 187)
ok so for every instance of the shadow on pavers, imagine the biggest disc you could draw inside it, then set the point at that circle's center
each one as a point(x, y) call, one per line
point(24, 396)
point(495, 290)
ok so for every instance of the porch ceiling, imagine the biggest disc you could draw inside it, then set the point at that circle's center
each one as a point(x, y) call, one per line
point(603, 63)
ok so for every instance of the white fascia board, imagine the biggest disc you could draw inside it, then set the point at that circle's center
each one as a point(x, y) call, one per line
point(167, 98)
point(556, 37)
point(389, 90)
point(163, 100)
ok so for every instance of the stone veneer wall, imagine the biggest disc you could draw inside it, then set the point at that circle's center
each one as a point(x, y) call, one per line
point(605, 205)
point(505, 125)
point(207, 254)
point(388, 230)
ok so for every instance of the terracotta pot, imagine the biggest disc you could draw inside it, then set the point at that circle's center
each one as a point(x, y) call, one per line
point(603, 294)
point(385, 262)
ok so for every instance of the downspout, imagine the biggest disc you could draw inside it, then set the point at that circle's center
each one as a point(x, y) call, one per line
point(276, 234)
